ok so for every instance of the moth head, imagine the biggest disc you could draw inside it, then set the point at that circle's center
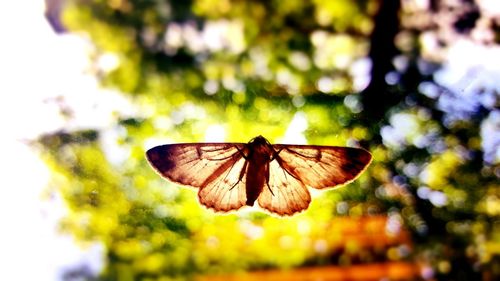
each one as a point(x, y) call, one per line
point(260, 145)
point(259, 140)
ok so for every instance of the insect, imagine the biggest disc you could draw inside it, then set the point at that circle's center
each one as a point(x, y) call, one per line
point(231, 175)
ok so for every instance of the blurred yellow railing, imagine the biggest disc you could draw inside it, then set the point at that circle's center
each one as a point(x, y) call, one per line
point(389, 270)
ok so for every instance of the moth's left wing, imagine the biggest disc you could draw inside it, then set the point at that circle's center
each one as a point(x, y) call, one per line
point(283, 194)
point(218, 169)
point(322, 166)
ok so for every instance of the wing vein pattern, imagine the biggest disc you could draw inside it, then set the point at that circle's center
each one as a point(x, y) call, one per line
point(322, 166)
point(220, 172)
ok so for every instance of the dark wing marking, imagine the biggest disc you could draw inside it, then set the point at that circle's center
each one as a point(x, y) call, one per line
point(218, 169)
point(285, 194)
point(322, 166)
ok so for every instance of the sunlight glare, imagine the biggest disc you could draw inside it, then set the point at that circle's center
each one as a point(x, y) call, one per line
point(215, 133)
point(295, 131)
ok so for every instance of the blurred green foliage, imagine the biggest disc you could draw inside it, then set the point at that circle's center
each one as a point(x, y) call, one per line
point(251, 67)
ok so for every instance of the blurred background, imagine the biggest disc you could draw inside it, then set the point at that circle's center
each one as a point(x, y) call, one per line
point(90, 85)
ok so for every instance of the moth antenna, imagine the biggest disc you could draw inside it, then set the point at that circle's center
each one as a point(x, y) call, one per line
point(267, 183)
point(242, 153)
point(269, 187)
point(276, 154)
point(242, 173)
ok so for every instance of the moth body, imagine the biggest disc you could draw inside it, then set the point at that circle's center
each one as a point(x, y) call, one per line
point(257, 174)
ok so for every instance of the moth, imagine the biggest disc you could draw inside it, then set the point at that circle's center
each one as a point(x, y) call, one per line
point(231, 175)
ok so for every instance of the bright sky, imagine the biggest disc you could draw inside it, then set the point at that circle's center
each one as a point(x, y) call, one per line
point(37, 65)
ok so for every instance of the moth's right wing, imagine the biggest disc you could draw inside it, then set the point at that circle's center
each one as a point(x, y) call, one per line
point(297, 166)
point(322, 166)
point(218, 169)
